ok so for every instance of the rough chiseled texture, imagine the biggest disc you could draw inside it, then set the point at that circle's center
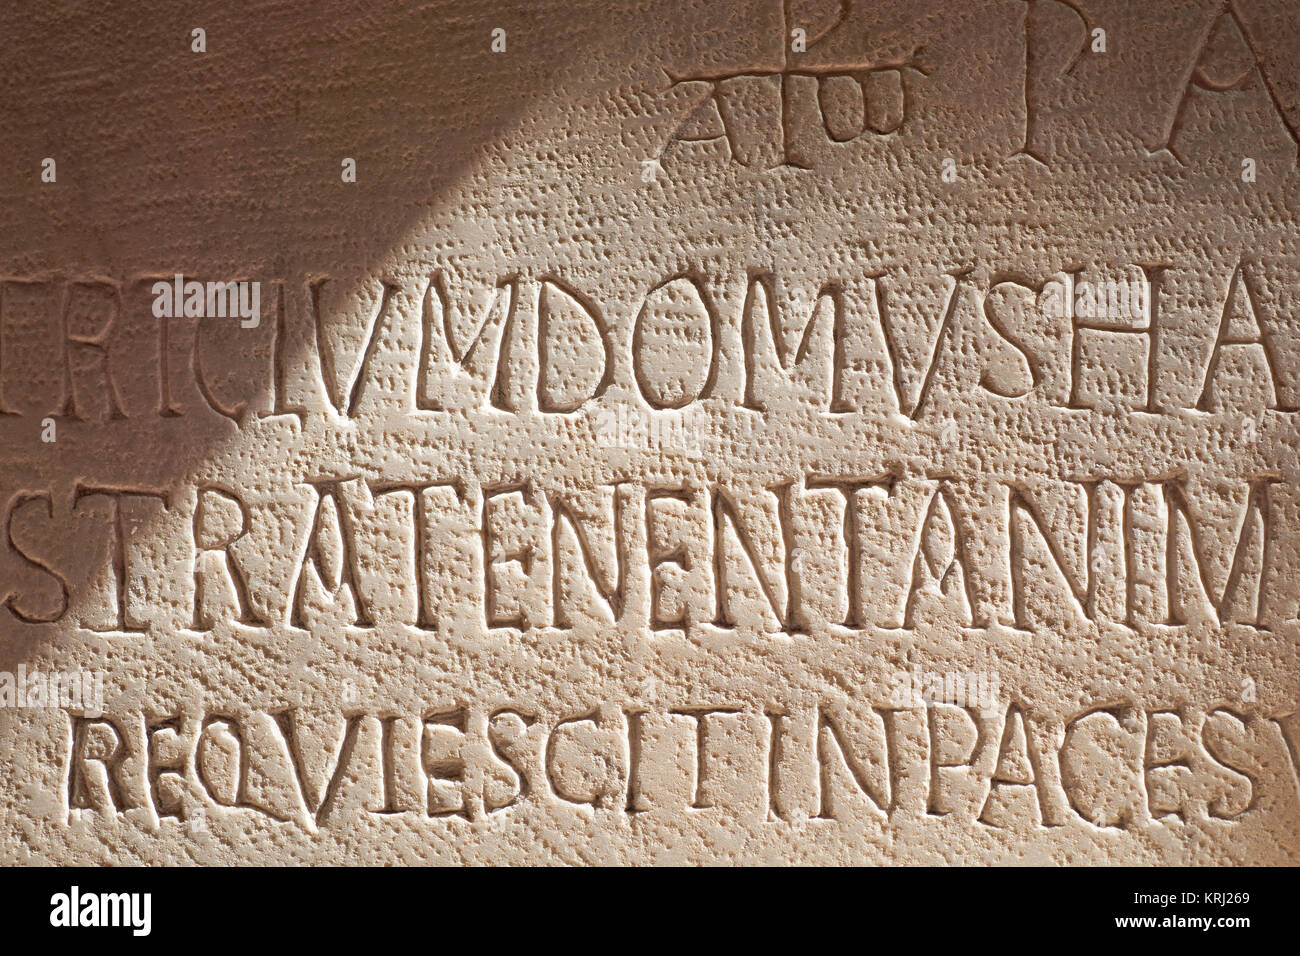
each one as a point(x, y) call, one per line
point(702, 432)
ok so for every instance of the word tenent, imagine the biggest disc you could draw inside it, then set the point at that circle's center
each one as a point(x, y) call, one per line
point(797, 556)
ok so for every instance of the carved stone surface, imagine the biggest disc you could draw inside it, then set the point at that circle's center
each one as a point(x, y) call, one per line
point(651, 432)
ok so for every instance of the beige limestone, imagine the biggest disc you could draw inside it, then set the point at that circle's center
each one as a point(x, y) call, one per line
point(698, 432)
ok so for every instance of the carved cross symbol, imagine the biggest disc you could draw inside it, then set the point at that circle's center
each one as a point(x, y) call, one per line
point(849, 100)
